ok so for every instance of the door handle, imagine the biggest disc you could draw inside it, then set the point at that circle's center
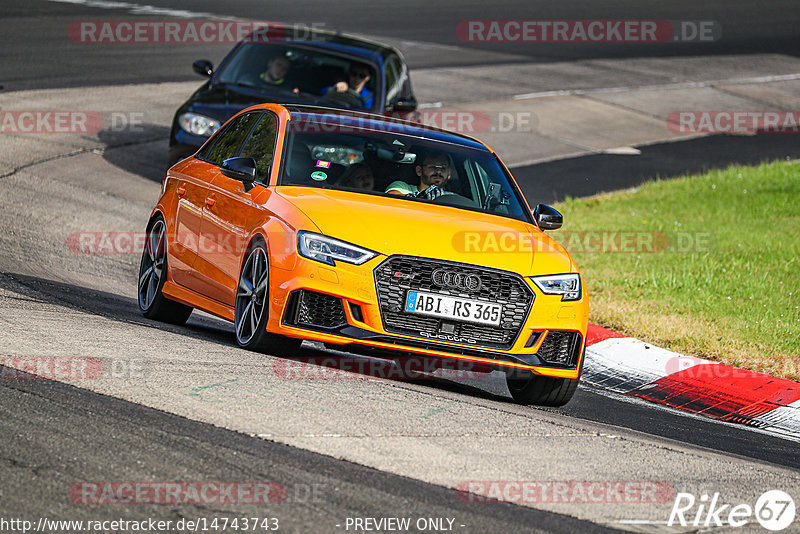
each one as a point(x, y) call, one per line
point(210, 201)
point(181, 190)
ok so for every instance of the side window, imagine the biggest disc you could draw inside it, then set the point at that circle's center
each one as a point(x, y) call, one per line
point(261, 145)
point(394, 81)
point(230, 140)
point(478, 179)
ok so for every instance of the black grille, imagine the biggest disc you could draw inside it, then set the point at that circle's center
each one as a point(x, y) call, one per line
point(560, 346)
point(315, 309)
point(400, 274)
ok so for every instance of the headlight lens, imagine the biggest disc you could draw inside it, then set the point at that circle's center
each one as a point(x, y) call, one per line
point(198, 124)
point(326, 249)
point(567, 285)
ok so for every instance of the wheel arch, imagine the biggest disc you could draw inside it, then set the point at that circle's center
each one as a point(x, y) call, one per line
point(280, 239)
point(154, 215)
point(257, 235)
point(157, 212)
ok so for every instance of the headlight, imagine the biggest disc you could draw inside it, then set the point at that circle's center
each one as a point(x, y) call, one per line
point(326, 249)
point(198, 124)
point(568, 285)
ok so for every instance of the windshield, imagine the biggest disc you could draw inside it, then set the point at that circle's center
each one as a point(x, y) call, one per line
point(344, 82)
point(395, 164)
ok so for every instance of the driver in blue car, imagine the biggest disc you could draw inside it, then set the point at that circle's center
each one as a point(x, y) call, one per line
point(433, 169)
point(357, 78)
point(277, 68)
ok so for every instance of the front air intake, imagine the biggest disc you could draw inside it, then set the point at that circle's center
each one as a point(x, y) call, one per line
point(310, 308)
point(561, 347)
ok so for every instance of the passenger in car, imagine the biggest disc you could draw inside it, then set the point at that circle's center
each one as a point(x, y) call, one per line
point(433, 169)
point(357, 176)
point(357, 78)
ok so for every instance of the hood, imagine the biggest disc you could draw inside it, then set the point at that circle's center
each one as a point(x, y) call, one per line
point(398, 226)
point(223, 101)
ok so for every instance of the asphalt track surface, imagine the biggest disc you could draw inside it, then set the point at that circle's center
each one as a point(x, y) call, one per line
point(588, 403)
point(115, 436)
point(34, 28)
point(54, 434)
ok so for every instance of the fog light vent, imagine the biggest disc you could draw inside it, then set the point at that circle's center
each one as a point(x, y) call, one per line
point(317, 309)
point(561, 347)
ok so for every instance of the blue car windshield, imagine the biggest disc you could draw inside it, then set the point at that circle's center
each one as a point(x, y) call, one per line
point(384, 158)
point(302, 71)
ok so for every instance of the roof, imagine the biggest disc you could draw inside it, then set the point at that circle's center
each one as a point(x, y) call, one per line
point(355, 119)
point(326, 40)
point(368, 56)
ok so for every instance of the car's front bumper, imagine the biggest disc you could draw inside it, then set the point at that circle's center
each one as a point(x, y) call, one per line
point(343, 309)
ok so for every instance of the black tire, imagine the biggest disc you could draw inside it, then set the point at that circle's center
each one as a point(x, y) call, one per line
point(152, 275)
point(532, 389)
point(252, 310)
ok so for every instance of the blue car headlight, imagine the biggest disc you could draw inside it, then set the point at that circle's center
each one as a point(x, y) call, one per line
point(197, 124)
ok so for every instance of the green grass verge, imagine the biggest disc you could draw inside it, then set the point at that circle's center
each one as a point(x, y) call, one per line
point(727, 285)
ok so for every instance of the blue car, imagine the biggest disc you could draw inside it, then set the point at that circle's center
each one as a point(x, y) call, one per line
point(320, 68)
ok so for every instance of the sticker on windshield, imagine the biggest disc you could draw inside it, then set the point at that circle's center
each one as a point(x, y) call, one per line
point(319, 176)
point(321, 163)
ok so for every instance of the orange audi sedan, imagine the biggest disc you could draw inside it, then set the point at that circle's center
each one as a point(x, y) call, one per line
point(372, 235)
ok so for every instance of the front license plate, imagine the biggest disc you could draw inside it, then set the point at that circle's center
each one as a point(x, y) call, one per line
point(456, 308)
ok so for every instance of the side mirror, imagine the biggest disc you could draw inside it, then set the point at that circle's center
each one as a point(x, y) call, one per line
point(242, 169)
point(203, 67)
point(402, 104)
point(547, 218)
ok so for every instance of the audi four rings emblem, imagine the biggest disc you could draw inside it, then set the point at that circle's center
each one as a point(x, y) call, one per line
point(455, 280)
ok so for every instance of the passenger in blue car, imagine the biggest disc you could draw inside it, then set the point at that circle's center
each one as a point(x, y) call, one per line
point(357, 77)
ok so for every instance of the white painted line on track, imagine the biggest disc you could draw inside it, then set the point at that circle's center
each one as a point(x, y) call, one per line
point(783, 420)
point(623, 364)
point(141, 9)
point(623, 151)
point(677, 85)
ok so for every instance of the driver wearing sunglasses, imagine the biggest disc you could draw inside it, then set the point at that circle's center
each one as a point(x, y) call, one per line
point(357, 78)
point(433, 170)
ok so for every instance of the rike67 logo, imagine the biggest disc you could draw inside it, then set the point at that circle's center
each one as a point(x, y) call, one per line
point(774, 510)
